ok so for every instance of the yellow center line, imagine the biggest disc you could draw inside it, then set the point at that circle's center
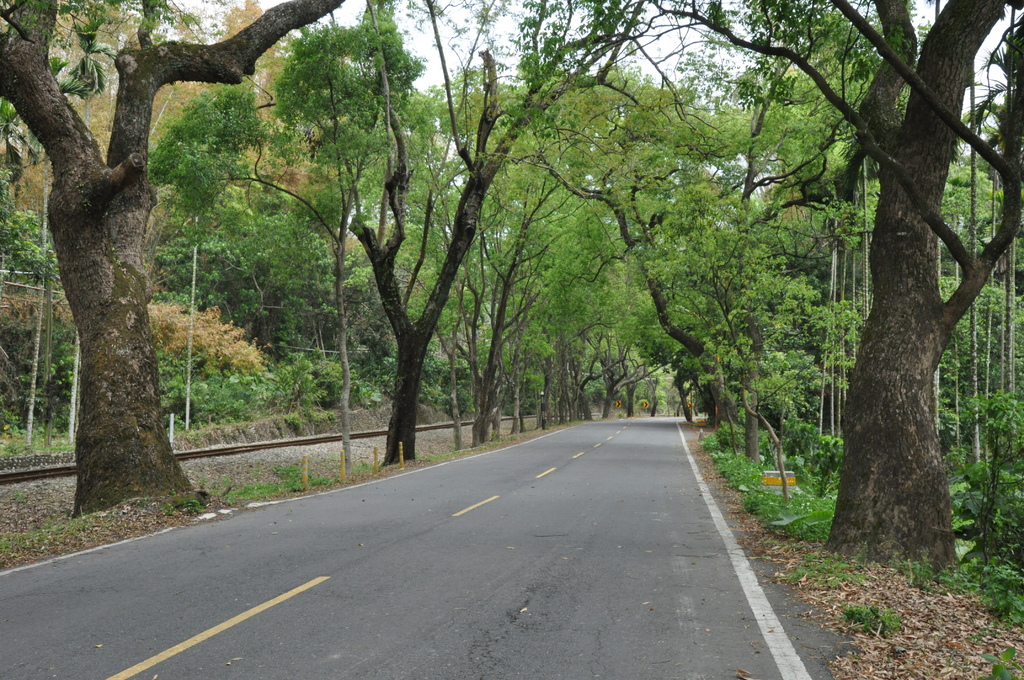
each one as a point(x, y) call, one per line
point(597, 444)
point(609, 439)
point(618, 431)
point(474, 507)
point(207, 634)
point(546, 473)
point(579, 454)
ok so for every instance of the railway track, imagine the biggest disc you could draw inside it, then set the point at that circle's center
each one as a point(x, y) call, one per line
point(69, 470)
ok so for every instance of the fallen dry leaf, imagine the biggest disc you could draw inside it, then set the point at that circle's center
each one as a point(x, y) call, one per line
point(943, 634)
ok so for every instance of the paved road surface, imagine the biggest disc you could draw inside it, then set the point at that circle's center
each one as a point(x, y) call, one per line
point(587, 553)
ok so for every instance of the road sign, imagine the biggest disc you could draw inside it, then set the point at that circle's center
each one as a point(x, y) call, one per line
point(618, 403)
point(644, 404)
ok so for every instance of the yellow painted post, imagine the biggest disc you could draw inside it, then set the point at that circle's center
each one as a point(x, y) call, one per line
point(305, 472)
point(341, 467)
point(376, 465)
point(401, 457)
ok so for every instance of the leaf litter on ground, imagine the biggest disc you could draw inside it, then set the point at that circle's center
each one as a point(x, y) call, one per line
point(942, 634)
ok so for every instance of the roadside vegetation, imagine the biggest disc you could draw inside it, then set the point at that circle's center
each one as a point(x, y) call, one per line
point(974, 608)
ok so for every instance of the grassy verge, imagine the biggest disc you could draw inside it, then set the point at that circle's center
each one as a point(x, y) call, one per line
point(805, 516)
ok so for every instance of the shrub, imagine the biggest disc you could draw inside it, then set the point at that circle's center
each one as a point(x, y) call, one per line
point(807, 517)
point(1002, 665)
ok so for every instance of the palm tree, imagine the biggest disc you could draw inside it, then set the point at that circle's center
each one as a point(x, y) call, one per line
point(89, 72)
point(17, 142)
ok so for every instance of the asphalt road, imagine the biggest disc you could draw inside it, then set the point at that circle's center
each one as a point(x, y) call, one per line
point(587, 553)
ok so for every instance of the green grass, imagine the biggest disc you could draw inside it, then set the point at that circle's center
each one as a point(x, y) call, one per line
point(290, 482)
point(872, 620)
point(42, 542)
point(16, 446)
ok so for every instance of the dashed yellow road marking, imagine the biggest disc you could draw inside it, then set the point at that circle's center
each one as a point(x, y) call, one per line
point(474, 507)
point(609, 439)
point(597, 444)
point(207, 634)
point(546, 473)
point(579, 454)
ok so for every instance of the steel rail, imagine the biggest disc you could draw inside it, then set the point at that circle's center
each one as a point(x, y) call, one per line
point(69, 470)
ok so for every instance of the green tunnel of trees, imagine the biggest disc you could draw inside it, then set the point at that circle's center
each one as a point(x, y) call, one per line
point(797, 228)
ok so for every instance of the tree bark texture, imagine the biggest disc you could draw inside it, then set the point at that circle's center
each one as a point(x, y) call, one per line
point(894, 494)
point(98, 213)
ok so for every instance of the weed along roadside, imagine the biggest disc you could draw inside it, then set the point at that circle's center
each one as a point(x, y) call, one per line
point(904, 621)
point(35, 522)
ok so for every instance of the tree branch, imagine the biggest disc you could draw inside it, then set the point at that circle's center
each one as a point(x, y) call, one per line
point(459, 147)
point(113, 181)
point(863, 132)
point(911, 78)
point(8, 16)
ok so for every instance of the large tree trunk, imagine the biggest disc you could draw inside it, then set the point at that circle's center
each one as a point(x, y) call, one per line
point(122, 449)
point(894, 494)
point(412, 351)
point(98, 213)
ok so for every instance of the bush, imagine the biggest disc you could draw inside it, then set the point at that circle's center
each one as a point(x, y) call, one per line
point(216, 397)
point(988, 508)
point(806, 516)
point(1001, 586)
point(1003, 664)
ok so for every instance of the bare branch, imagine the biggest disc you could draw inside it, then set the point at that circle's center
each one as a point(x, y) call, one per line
point(462, 151)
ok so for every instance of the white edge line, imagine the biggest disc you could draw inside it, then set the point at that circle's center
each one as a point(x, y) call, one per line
point(34, 565)
point(789, 663)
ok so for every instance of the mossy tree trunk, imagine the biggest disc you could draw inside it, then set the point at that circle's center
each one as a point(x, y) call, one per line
point(894, 492)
